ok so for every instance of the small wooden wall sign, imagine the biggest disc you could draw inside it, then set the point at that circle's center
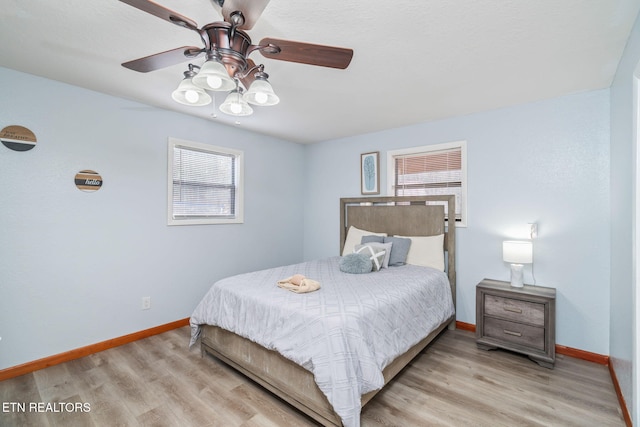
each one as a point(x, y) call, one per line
point(18, 138)
point(88, 180)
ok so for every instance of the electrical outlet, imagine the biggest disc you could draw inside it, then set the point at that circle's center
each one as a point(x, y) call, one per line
point(146, 303)
point(533, 230)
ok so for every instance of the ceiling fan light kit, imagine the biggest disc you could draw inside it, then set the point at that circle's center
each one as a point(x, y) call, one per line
point(227, 48)
point(235, 104)
point(213, 75)
point(188, 93)
point(260, 92)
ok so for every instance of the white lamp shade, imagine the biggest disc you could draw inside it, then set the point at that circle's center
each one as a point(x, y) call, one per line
point(213, 76)
point(517, 252)
point(235, 105)
point(261, 93)
point(189, 94)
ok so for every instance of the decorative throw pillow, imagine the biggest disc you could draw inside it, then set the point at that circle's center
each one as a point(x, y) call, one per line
point(386, 247)
point(427, 251)
point(355, 263)
point(354, 237)
point(372, 238)
point(399, 251)
point(375, 254)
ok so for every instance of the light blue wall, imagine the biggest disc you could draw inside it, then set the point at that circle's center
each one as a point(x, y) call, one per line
point(546, 162)
point(74, 266)
point(623, 205)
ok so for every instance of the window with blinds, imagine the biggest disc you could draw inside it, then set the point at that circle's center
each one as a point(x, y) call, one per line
point(204, 184)
point(431, 170)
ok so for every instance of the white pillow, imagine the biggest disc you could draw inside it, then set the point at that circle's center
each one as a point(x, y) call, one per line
point(426, 251)
point(354, 237)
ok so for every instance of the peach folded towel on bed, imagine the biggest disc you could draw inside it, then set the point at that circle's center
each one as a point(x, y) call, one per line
point(299, 284)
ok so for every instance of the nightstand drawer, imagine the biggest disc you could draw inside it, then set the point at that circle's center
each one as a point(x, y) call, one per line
point(517, 333)
point(513, 309)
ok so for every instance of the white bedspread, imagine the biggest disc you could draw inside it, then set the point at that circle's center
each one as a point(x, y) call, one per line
point(345, 333)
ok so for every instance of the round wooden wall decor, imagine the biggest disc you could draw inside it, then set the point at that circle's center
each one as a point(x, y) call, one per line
point(18, 138)
point(88, 180)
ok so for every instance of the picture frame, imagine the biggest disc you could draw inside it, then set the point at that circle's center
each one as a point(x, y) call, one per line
point(370, 173)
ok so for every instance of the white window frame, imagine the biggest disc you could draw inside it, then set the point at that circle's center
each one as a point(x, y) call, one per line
point(462, 145)
point(239, 179)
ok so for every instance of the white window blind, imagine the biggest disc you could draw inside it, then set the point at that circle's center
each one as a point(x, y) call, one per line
point(204, 184)
point(431, 170)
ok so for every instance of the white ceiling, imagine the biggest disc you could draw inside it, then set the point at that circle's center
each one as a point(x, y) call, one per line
point(414, 60)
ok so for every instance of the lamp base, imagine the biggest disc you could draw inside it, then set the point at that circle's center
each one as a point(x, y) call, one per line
point(517, 275)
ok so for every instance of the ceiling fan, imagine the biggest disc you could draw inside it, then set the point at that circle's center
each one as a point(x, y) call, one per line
point(227, 47)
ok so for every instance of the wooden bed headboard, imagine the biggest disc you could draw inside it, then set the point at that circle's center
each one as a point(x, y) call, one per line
point(404, 216)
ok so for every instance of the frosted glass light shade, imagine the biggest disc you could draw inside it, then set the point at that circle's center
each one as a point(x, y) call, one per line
point(189, 94)
point(213, 76)
point(261, 93)
point(235, 105)
point(517, 252)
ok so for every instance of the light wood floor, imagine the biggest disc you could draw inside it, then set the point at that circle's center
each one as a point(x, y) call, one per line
point(159, 382)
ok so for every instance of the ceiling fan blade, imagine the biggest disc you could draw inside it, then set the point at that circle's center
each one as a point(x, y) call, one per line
point(163, 59)
point(162, 12)
point(251, 11)
point(246, 81)
point(307, 53)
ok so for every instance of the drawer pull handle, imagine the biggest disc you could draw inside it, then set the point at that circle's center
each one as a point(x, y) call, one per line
point(515, 334)
point(512, 309)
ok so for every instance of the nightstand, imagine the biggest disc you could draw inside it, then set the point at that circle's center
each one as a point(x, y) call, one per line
point(517, 319)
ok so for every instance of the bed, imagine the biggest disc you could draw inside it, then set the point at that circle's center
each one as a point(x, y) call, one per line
point(282, 354)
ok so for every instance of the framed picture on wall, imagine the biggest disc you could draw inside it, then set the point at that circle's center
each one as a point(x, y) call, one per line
point(370, 173)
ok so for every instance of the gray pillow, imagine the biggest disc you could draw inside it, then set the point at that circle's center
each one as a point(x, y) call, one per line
point(355, 264)
point(399, 250)
point(376, 253)
point(386, 247)
point(372, 238)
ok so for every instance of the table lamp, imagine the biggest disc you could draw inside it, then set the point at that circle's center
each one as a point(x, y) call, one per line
point(517, 253)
